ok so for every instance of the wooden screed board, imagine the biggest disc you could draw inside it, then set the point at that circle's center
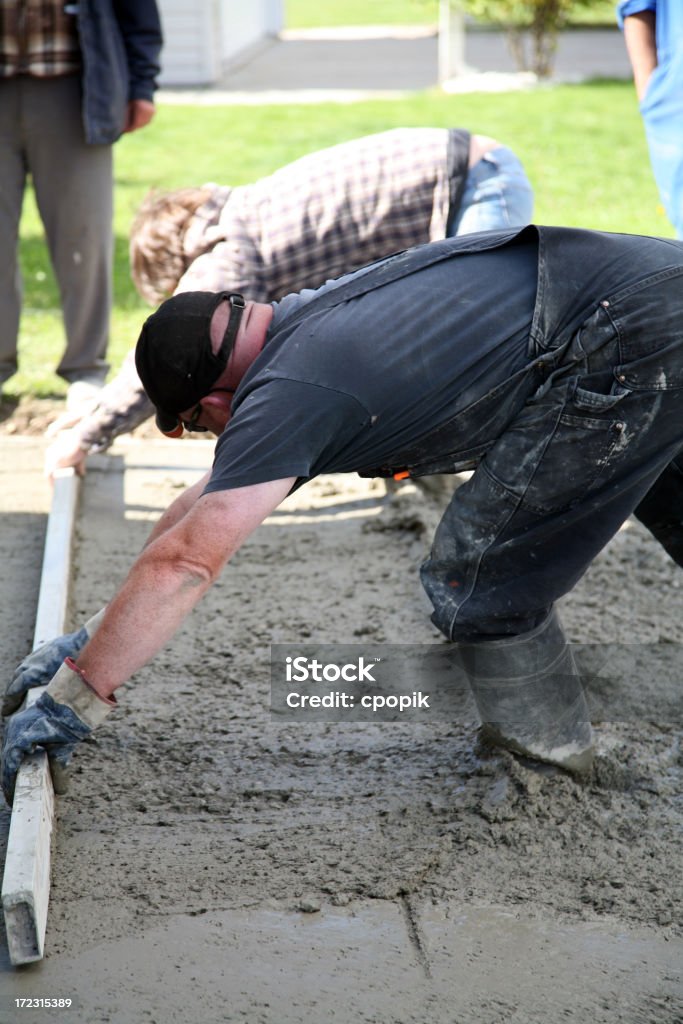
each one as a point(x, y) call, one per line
point(26, 881)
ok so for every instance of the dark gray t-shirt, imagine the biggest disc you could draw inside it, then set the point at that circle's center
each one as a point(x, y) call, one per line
point(348, 386)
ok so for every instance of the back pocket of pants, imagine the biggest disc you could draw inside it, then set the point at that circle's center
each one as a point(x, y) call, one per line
point(552, 458)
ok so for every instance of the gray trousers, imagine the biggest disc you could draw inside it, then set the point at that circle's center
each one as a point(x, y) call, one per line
point(41, 134)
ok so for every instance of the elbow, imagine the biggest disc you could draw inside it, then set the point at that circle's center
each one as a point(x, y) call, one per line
point(184, 567)
point(193, 550)
point(195, 574)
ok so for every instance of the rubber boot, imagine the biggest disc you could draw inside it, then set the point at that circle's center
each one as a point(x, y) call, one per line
point(529, 696)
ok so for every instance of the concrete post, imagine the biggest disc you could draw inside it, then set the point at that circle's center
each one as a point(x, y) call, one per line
point(451, 40)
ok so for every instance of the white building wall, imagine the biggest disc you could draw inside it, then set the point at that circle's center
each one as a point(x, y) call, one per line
point(201, 37)
point(255, 20)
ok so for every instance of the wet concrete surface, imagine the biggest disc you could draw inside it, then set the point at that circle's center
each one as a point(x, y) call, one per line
point(213, 864)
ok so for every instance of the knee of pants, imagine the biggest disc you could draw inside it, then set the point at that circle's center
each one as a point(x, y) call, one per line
point(465, 620)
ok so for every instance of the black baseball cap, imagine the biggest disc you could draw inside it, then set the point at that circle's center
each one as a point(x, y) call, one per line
point(173, 355)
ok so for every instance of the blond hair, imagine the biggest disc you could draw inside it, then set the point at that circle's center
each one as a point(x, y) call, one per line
point(157, 254)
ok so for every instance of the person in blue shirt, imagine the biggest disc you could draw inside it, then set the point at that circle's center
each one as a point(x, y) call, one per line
point(653, 33)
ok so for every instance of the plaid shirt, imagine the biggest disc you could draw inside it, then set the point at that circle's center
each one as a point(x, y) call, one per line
point(319, 217)
point(325, 214)
point(38, 37)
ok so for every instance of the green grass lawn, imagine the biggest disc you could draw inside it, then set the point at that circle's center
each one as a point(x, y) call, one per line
point(583, 148)
point(334, 13)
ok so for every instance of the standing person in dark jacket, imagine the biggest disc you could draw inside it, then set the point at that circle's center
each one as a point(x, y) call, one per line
point(73, 78)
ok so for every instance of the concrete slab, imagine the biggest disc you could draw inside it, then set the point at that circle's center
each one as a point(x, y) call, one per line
point(339, 965)
point(520, 967)
point(360, 964)
point(190, 837)
point(24, 504)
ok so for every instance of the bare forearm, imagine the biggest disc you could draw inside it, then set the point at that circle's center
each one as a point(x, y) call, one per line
point(170, 576)
point(141, 619)
point(640, 40)
point(161, 589)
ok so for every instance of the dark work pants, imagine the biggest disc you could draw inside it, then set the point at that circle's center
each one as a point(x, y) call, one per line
point(41, 133)
point(603, 436)
point(661, 510)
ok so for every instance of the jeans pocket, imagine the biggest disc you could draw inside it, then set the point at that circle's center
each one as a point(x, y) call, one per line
point(594, 401)
point(559, 450)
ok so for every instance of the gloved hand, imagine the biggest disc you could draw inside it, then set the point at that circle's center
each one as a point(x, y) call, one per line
point(64, 714)
point(37, 669)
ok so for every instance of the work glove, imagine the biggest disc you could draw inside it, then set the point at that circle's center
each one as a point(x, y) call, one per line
point(67, 712)
point(37, 669)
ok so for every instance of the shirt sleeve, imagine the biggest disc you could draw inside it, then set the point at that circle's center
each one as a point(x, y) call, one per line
point(140, 27)
point(121, 406)
point(233, 262)
point(628, 7)
point(285, 428)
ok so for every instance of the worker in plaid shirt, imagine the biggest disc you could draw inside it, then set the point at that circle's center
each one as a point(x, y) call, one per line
point(327, 213)
point(73, 78)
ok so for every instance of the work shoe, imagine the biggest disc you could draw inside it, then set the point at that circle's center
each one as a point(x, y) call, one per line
point(529, 696)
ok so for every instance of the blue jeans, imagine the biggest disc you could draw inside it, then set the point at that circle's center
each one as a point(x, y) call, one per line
point(584, 452)
point(497, 195)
